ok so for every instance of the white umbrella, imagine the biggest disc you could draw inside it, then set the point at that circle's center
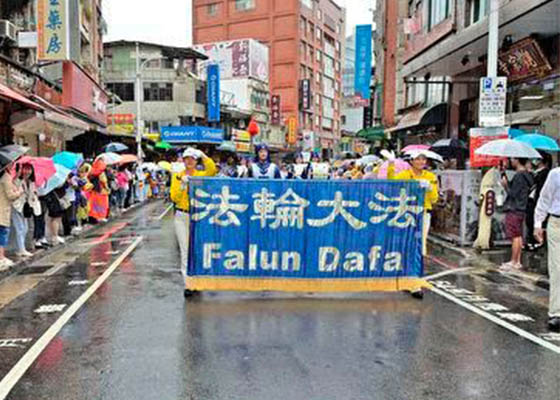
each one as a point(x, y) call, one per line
point(110, 158)
point(426, 153)
point(507, 148)
point(369, 159)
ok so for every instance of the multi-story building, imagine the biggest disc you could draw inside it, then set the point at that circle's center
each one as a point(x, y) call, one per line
point(349, 67)
point(46, 103)
point(306, 41)
point(443, 55)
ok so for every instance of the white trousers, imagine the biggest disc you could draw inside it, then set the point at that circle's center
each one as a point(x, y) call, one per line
point(553, 235)
point(182, 223)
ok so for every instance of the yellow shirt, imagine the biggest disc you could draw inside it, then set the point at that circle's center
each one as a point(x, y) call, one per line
point(432, 195)
point(179, 193)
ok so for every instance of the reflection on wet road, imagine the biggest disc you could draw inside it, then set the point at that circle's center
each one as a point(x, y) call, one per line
point(136, 337)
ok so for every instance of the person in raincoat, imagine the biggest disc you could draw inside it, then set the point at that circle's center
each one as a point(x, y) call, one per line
point(179, 194)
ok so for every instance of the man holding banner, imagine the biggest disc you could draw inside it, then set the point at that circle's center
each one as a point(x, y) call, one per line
point(179, 194)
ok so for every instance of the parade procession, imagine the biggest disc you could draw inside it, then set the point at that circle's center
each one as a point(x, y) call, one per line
point(264, 199)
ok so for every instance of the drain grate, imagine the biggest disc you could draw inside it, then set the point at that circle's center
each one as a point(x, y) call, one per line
point(36, 269)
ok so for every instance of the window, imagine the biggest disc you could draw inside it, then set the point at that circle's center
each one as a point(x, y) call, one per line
point(318, 99)
point(302, 71)
point(476, 10)
point(124, 90)
point(243, 5)
point(311, 30)
point(158, 91)
point(302, 24)
point(337, 45)
point(318, 78)
point(319, 34)
point(307, 3)
point(439, 10)
point(310, 74)
point(337, 66)
point(311, 53)
point(212, 9)
point(319, 14)
point(303, 50)
point(318, 56)
point(318, 121)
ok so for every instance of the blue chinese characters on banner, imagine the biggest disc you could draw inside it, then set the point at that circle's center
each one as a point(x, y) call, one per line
point(305, 230)
point(213, 92)
point(362, 73)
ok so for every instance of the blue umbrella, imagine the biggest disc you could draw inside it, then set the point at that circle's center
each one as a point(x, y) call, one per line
point(68, 159)
point(539, 142)
point(115, 147)
point(513, 133)
point(57, 180)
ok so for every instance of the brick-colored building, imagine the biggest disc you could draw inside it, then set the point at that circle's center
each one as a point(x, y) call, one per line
point(306, 41)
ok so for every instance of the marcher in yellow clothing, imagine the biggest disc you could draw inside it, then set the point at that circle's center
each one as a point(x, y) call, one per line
point(179, 194)
point(428, 180)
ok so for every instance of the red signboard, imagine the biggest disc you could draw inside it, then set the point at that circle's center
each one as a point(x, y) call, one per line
point(481, 136)
point(83, 94)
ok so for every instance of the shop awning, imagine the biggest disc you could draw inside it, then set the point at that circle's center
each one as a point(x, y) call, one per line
point(12, 95)
point(56, 115)
point(531, 117)
point(420, 117)
point(372, 134)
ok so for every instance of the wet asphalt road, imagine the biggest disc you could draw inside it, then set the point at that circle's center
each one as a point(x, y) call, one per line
point(136, 337)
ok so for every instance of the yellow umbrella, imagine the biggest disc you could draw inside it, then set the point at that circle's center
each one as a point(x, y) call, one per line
point(165, 165)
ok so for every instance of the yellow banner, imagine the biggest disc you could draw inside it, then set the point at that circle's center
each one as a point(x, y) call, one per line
point(52, 30)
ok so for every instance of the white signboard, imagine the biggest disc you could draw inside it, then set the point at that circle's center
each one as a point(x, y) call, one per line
point(492, 102)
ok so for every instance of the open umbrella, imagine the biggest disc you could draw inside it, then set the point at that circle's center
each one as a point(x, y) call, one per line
point(369, 159)
point(110, 158)
point(128, 158)
point(55, 181)
point(411, 147)
point(68, 159)
point(450, 148)
point(11, 153)
point(427, 153)
point(400, 165)
point(43, 168)
point(163, 146)
point(507, 148)
point(115, 147)
point(539, 142)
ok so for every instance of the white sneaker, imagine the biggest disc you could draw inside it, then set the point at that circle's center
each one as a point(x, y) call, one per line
point(59, 240)
point(44, 242)
point(5, 264)
point(24, 254)
point(39, 244)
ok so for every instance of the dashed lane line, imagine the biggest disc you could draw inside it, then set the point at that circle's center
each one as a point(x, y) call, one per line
point(14, 375)
point(529, 336)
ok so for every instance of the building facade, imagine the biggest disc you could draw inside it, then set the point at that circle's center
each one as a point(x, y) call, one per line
point(442, 56)
point(46, 105)
point(306, 49)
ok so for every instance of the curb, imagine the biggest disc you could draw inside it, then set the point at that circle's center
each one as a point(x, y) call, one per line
point(41, 253)
point(471, 254)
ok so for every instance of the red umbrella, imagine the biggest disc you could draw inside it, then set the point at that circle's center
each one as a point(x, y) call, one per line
point(43, 168)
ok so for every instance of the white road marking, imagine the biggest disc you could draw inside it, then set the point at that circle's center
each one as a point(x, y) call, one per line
point(11, 378)
point(78, 283)
point(97, 263)
point(450, 272)
point(112, 252)
point(498, 321)
point(50, 308)
point(14, 343)
point(163, 214)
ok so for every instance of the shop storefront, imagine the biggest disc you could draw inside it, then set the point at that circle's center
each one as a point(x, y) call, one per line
point(421, 125)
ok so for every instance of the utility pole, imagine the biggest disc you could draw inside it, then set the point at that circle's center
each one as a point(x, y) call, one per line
point(493, 38)
point(139, 122)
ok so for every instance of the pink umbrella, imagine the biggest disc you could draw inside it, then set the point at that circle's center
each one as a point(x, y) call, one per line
point(400, 165)
point(415, 147)
point(43, 168)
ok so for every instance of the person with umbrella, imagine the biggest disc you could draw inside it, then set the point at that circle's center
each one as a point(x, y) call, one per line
point(8, 194)
point(25, 206)
point(517, 199)
point(179, 194)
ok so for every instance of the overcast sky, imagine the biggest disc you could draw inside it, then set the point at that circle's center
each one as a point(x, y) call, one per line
point(169, 21)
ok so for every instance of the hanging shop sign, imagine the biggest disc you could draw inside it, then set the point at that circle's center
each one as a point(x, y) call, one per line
point(213, 92)
point(284, 235)
point(58, 36)
point(362, 77)
point(523, 60)
point(292, 130)
point(275, 116)
point(305, 94)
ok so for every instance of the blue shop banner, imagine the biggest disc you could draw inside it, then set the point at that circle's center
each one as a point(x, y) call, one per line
point(362, 73)
point(298, 235)
point(213, 92)
point(192, 134)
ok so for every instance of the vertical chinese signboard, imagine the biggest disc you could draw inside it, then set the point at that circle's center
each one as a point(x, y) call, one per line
point(275, 109)
point(57, 29)
point(213, 91)
point(305, 94)
point(362, 77)
point(292, 130)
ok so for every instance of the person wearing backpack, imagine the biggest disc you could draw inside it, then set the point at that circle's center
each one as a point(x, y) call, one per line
point(517, 199)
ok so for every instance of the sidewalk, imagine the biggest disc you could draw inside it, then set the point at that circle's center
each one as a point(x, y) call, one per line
point(535, 263)
point(69, 240)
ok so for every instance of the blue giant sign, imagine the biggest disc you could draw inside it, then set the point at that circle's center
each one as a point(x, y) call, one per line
point(192, 134)
point(362, 77)
point(213, 92)
point(305, 235)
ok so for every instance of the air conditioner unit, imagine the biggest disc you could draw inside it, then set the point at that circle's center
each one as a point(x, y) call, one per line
point(8, 30)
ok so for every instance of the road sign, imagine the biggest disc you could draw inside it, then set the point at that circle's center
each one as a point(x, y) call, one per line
point(492, 102)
